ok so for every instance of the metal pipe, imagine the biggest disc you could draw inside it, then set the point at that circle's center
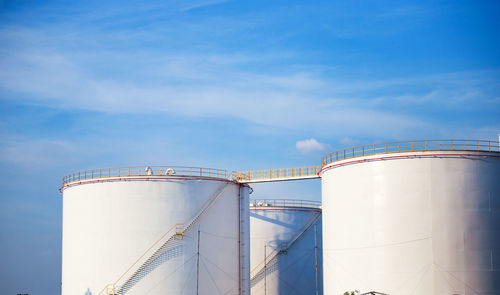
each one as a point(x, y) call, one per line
point(316, 257)
point(265, 268)
point(198, 264)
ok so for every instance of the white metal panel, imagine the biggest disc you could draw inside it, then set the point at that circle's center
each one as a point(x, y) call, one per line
point(421, 225)
point(108, 225)
point(292, 272)
point(245, 253)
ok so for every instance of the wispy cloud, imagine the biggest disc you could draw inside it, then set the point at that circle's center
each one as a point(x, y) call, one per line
point(213, 86)
point(230, 85)
point(219, 86)
point(201, 4)
point(311, 145)
point(46, 66)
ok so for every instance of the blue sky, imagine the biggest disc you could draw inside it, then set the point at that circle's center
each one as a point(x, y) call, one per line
point(225, 84)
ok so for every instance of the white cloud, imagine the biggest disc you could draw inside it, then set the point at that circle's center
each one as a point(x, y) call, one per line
point(308, 146)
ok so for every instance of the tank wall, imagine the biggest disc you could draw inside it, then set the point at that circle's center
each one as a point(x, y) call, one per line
point(293, 272)
point(107, 226)
point(413, 225)
point(245, 240)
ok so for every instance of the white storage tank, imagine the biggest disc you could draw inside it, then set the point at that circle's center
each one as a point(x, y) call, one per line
point(155, 230)
point(285, 251)
point(419, 217)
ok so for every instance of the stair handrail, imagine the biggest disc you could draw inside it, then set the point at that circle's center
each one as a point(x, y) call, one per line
point(111, 287)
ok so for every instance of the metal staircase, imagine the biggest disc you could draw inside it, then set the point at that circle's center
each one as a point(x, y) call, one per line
point(169, 249)
point(269, 265)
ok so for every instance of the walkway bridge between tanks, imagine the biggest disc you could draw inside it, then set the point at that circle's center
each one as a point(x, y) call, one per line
point(281, 174)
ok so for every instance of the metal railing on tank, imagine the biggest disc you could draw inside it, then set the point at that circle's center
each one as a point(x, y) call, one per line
point(284, 203)
point(280, 173)
point(412, 146)
point(144, 171)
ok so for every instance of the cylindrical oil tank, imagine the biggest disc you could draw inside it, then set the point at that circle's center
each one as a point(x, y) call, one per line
point(419, 219)
point(155, 230)
point(285, 247)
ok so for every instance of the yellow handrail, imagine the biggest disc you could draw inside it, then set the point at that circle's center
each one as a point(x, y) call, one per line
point(412, 146)
point(280, 173)
point(285, 173)
point(112, 286)
point(285, 203)
point(179, 229)
point(157, 171)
